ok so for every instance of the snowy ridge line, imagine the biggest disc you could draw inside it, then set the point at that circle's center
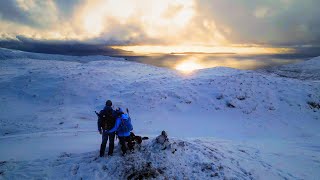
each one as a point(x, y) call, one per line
point(48, 133)
point(6, 54)
point(182, 159)
point(306, 70)
point(66, 132)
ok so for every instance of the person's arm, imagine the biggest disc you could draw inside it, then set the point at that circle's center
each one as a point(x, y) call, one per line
point(131, 124)
point(99, 126)
point(116, 126)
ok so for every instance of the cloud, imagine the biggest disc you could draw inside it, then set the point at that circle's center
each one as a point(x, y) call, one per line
point(39, 14)
point(261, 12)
point(105, 21)
point(67, 8)
point(166, 22)
point(10, 11)
point(285, 22)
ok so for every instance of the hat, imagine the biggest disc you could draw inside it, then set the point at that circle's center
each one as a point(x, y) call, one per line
point(109, 103)
point(119, 109)
point(124, 116)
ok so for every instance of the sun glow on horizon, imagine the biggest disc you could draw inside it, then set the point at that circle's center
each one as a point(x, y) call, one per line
point(146, 49)
point(188, 66)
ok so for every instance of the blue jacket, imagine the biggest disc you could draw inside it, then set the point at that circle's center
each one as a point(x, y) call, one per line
point(116, 128)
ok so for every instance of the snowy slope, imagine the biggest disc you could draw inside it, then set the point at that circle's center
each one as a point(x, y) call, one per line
point(193, 159)
point(46, 108)
point(303, 70)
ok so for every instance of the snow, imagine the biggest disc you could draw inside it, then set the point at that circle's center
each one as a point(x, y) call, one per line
point(303, 70)
point(229, 123)
point(194, 159)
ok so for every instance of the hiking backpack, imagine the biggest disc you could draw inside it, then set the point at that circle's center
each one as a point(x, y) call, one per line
point(107, 119)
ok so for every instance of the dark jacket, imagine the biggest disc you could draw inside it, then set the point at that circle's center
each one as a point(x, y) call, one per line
point(109, 122)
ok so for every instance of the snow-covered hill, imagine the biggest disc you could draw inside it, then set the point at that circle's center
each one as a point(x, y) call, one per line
point(192, 159)
point(47, 108)
point(303, 70)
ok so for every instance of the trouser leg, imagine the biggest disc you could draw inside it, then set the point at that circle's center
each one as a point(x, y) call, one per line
point(111, 143)
point(123, 144)
point(103, 144)
point(130, 143)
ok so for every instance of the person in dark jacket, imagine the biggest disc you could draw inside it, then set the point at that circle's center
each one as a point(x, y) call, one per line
point(123, 127)
point(106, 121)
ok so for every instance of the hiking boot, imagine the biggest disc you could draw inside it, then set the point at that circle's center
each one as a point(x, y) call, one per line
point(102, 150)
point(101, 154)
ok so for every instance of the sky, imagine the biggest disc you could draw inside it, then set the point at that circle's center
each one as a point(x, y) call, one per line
point(118, 26)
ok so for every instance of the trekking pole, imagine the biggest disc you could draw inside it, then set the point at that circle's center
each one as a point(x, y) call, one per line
point(128, 112)
point(97, 113)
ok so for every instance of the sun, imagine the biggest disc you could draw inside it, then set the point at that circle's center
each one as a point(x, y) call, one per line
point(93, 24)
point(188, 66)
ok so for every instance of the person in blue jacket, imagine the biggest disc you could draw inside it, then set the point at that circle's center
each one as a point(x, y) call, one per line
point(123, 127)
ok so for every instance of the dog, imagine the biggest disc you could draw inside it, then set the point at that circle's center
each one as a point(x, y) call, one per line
point(137, 139)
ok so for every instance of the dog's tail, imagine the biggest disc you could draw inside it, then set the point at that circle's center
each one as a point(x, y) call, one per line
point(144, 138)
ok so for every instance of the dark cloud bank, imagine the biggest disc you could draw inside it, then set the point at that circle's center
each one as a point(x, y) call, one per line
point(78, 48)
point(75, 48)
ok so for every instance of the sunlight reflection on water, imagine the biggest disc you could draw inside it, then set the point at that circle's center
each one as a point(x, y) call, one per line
point(190, 62)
